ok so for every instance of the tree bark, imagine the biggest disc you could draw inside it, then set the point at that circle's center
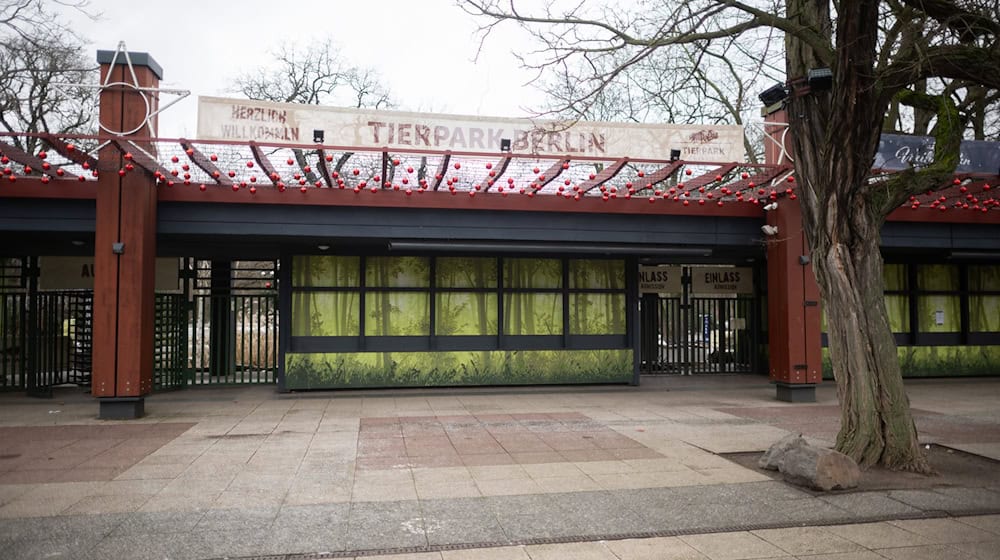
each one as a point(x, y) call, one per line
point(835, 135)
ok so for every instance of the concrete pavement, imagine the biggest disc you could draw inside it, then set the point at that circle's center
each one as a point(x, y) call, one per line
point(614, 472)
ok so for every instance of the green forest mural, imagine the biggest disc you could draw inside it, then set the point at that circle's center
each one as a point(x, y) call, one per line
point(419, 369)
point(939, 361)
point(937, 299)
point(391, 296)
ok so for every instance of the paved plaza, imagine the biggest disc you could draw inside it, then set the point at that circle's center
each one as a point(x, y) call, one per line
point(519, 473)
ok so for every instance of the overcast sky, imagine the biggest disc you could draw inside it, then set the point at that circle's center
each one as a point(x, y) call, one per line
point(424, 49)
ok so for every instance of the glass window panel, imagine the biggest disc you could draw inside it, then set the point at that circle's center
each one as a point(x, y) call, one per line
point(941, 277)
point(397, 272)
point(898, 307)
point(597, 313)
point(466, 272)
point(984, 313)
point(466, 313)
point(539, 274)
point(895, 277)
point(532, 314)
point(325, 271)
point(593, 274)
point(938, 314)
point(984, 279)
point(326, 313)
point(397, 314)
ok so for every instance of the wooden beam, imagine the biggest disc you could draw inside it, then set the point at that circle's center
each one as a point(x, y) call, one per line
point(58, 188)
point(24, 158)
point(205, 163)
point(498, 170)
point(551, 173)
point(707, 178)
point(140, 157)
point(661, 174)
point(263, 162)
point(442, 169)
point(606, 174)
point(759, 179)
point(75, 155)
point(385, 170)
point(324, 169)
point(443, 199)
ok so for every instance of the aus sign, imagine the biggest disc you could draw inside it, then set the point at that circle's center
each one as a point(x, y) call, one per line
point(77, 273)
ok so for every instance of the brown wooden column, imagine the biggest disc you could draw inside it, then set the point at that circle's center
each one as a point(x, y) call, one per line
point(793, 311)
point(125, 246)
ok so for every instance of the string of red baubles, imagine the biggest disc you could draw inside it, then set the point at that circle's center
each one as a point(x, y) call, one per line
point(677, 193)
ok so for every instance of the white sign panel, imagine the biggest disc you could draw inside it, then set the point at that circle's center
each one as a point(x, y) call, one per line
point(660, 280)
point(77, 273)
point(286, 123)
point(719, 280)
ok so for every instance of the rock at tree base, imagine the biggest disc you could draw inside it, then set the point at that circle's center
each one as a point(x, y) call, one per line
point(813, 467)
point(770, 459)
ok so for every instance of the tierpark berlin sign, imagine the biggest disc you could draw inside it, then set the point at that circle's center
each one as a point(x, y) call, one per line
point(286, 123)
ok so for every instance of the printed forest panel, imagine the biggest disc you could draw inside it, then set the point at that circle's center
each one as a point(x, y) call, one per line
point(939, 361)
point(593, 274)
point(534, 274)
point(466, 272)
point(597, 313)
point(466, 313)
point(440, 369)
point(326, 313)
point(397, 272)
point(326, 271)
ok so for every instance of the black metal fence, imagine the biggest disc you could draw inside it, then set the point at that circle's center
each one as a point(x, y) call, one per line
point(200, 337)
point(233, 339)
point(13, 341)
point(704, 335)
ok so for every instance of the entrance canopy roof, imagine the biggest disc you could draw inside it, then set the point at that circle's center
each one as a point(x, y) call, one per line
point(318, 174)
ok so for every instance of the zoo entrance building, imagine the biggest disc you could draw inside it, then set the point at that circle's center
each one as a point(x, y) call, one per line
point(314, 248)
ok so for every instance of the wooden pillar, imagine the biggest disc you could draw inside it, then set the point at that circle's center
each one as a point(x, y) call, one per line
point(125, 244)
point(793, 311)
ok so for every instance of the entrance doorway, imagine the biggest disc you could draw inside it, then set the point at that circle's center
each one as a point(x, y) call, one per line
point(698, 320)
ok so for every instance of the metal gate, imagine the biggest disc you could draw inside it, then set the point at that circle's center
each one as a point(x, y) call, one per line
point(170, 342)
point(233, 332)
point(704, 335)
point(201, 335)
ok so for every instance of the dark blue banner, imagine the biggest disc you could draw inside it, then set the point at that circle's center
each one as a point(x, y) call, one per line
point(899, 151)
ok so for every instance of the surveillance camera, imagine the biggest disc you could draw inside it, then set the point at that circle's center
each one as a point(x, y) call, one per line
point(771, 206)
point(769, 230)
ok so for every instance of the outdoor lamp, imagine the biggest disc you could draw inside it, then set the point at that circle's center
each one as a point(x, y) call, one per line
point(774, 94)
point(820, 79)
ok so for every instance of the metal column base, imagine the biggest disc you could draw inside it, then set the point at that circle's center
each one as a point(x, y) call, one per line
point(121, 408)
point(796, 392)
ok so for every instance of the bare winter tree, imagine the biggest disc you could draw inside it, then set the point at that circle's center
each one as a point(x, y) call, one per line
point(38, 49)
point(714, 82)
point(37, 20)
point(917, 56)
point(316, 75)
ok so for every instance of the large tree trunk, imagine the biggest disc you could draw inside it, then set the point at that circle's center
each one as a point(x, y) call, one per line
point(876, 425)
point(835, 135)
